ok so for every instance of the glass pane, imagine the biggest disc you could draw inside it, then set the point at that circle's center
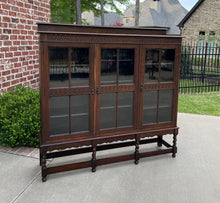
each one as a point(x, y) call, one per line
point(79, 113)
point(108, 66)
point(125, 109)
point(165, 105)
point(58, 67)
point(79, 66)
point(126, 66)
point(167, 64)
point(151, 65)
point(59, 115)
point(107, 111)
point(150, 107)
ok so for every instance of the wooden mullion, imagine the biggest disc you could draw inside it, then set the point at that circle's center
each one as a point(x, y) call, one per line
point(69, 65)
point(69, 68)
point(141, 83)
point(158, 97)
point(92, 97)
point(97, 78)
point(116, 120)
point(70, 114)
point(158, 91)
point(117, 82)
point(159, 66)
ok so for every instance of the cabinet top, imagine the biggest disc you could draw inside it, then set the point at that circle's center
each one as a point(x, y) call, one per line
point(73, 28)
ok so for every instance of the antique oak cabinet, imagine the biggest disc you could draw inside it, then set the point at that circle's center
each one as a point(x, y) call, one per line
point(105, 88)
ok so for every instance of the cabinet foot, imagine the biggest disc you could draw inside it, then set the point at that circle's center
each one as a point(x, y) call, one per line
point(136, 162)
point(44, 179)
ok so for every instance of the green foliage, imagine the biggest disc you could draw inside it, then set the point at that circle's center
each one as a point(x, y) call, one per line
point(64, 11)
point(20, 117)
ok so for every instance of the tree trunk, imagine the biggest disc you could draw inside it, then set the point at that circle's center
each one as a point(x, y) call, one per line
point(102, 13)
point(78, 12)
point(137, 12)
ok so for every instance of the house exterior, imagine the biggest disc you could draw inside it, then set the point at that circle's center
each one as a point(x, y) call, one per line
point(110, 19)
point(19, 50)
point(157, 13)
point(202, 24)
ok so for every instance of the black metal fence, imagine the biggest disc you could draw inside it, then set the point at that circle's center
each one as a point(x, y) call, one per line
point(200, 69)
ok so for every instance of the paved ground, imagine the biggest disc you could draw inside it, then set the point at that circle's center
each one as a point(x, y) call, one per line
point(193, 176)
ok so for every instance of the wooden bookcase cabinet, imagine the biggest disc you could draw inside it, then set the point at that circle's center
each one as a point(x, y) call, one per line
point(100, 85)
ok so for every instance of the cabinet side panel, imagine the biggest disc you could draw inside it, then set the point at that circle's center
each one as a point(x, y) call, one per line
point(44, 88)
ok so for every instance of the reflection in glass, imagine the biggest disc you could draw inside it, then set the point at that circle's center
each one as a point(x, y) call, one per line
point(126, 66)
point(58, 67)
point(150, 107)
point(59, 115)
point(79, 113)
point(79, 66)
point(165, 105)
point(167, 64)
point(108, 66)
point(151, 65)
point(107, 111)
point(125, 109)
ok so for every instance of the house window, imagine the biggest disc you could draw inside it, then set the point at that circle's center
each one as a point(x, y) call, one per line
point(200, 48)
point(210, 48)
point(212, 33)
point(127, 20)
point(201, 33)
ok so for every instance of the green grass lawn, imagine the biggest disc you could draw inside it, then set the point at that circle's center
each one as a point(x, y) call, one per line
point(206, 104)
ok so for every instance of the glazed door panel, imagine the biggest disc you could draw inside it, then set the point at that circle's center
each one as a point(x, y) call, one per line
point(157, 86)
point(71, 90)
point(116, 89)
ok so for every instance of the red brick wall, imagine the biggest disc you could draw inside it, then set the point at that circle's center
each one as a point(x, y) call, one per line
point(19, 60)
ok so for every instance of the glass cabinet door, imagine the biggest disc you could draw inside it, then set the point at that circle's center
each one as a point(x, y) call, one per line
point(152, 57)
point(69, 71)
point(157, 85)
point(117, 88)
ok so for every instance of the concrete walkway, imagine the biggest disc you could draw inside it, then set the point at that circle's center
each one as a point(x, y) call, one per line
point(192, 177)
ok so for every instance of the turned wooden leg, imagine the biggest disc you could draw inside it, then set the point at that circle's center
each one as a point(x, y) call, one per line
point(136, 153)
point(40, 157)
point(93, 161)
point(174, 145)
point(43, 168)
point(159, 142)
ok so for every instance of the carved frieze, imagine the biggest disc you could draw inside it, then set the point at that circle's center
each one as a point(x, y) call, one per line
point(108, 38)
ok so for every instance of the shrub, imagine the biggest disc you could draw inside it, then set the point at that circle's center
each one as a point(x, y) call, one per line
point(20, 117)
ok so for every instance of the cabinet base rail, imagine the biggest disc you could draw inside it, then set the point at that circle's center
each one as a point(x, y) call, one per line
point(97, 162)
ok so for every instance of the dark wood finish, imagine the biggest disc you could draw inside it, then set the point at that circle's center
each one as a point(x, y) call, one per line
point(80, 76)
